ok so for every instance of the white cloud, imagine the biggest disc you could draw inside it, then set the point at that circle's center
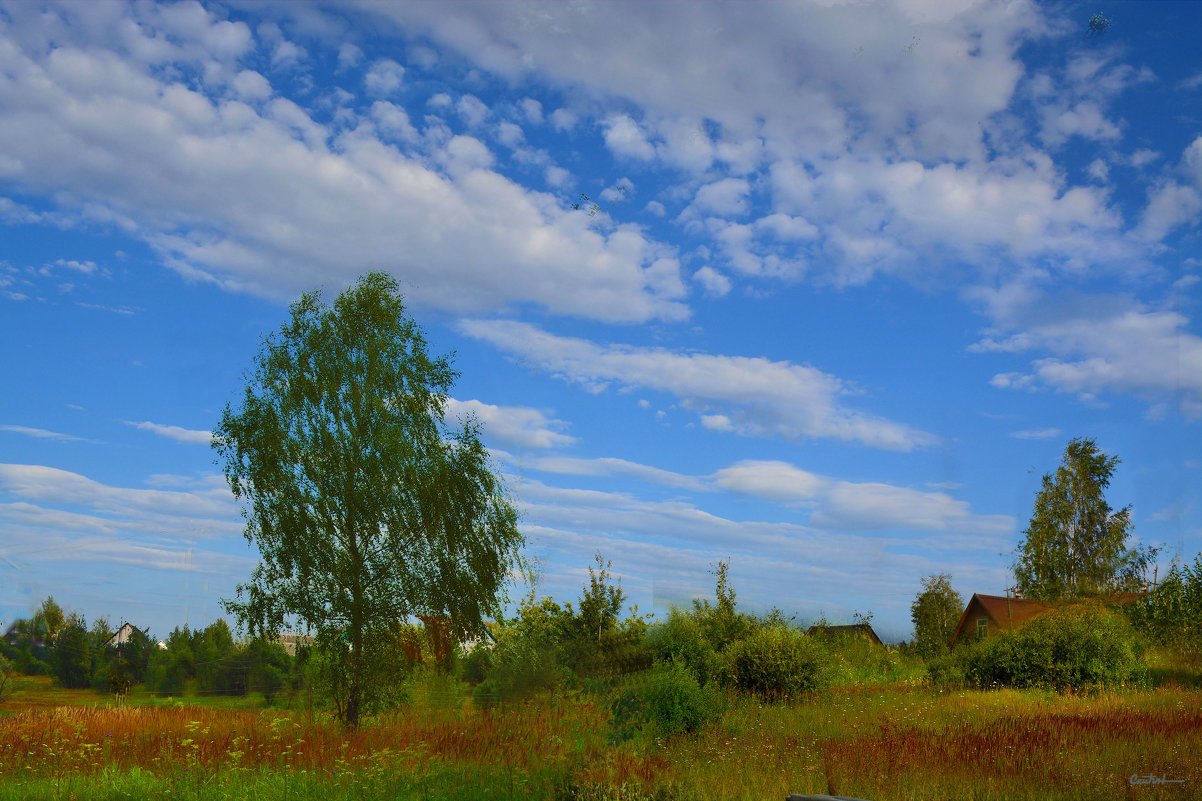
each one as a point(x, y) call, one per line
point(564, 119)
point(52, 485)
point(287, 54)
point(532, 109)
point(349, 55)
point(1036, 433)
point(609, 466)
point(41, 433)
point(517, 426)
point(621, 190)
point(624, 137)
point(384, 77)
point(899, 149)
point(558, 176)
point(1102, 344)
point(393, 121)
point(758, 396)
point(274, 187)
point(187, 435)
point(509, 134)
point(715, 283)
point(473, 110)
point(250, 85)
point(727, 197)
point(1169, 205)
point(847, 505)
point(774, 481)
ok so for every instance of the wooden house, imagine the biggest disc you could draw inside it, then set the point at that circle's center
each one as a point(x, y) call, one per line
point(990, 614)
point(986, 615)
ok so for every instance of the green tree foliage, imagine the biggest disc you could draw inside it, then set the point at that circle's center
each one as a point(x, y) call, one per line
point(50, 619)
point(7, 675)
point(721, 623)
point(73, 656)
point(548, 645)
point(1098, 25)
point(598, 642)
point(365, 508)
point(1075, 544)
point(1172, 613)
point(935, 612)
point(128, 663)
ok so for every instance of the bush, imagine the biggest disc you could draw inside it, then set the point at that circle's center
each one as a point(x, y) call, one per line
point(474, 666)
point(777, 662)
point(519, 666)
point(680, 639)
point(1075, 648)
point(674, 702)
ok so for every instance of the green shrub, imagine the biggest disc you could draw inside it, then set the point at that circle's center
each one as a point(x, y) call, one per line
point(475, 664)
point(1074, 648)
point(680, 639)
point(777, 662)
point(674, 702)
point(519, 666)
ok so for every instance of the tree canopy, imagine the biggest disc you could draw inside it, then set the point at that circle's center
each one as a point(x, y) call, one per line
point(935, 612)
point(1075, 544)
point(365, 507)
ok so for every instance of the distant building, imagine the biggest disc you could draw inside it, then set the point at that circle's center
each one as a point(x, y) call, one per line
point(123, 635)
point(853, 630)
point(292, 641)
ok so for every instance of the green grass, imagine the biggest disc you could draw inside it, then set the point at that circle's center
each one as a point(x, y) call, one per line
point(875, 739)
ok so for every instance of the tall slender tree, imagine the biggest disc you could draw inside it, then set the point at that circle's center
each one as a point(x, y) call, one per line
point(935, 612)
point(365, 508)
point(1075, 544)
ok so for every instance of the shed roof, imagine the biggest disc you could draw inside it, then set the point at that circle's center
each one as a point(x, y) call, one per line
point(853, 628)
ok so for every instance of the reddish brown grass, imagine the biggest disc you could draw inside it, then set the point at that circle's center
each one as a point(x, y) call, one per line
point(88, 739)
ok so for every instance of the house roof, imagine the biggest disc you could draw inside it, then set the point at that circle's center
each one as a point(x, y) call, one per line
point(854, 628)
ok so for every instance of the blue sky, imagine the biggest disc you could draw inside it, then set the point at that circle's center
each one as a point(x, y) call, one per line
point(848, 279)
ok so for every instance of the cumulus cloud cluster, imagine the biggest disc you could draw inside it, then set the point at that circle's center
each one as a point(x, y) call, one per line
point(230, 182)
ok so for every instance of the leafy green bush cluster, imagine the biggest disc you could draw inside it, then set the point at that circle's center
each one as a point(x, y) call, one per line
point(777, 661)
point(548, 645)
point(681, 640)
point(1074, 648)
point(674, 702)
point(719, 645)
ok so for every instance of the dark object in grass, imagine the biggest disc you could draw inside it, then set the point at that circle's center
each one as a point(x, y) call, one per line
point(796, 797)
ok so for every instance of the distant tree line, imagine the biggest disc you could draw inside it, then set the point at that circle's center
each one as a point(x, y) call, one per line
point(60, 644)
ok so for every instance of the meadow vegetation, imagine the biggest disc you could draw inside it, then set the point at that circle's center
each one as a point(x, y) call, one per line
point(587, 700)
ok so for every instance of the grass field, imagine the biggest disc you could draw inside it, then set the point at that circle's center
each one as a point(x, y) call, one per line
point(881, 742)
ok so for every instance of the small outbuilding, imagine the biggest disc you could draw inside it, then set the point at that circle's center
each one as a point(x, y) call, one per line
point(853, 630)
